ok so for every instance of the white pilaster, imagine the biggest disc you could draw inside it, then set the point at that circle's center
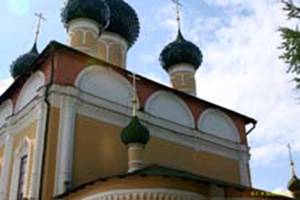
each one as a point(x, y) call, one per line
point(110, 39)
point(244, 170)
point(65, 144)
point(38, 152)
point(5, 173)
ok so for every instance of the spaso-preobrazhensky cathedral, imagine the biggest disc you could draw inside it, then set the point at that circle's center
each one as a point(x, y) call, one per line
point(76, 124)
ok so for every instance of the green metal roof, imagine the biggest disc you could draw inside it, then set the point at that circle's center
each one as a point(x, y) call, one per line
point(23, 64)
point(135, 132)
point(96, 10)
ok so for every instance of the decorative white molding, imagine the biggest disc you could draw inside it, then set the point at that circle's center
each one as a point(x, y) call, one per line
point(30, 90)
point(215, 122)
point(110, 39)
point(84, 25)
point(168, 106)
point(65, 147)
point(25, 117)
point(182, 67)
point(23, 149)
point(119, 115)
point(114, 38)
point(149, 194)
point(38, 152)
point(6, 110)
point(105, 83)
point(5, 175)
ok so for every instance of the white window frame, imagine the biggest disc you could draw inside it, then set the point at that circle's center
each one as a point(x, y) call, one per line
point(23, 149)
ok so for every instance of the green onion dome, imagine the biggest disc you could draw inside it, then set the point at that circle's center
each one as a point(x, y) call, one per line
point(294, 184)
point(23, 63)
point(124, 21)
point(181, 51)
point(135, 132)
point(96, 10)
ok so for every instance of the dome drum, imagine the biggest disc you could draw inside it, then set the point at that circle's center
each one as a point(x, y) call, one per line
point(83, 24)
point(115, 48)
point(83, 34)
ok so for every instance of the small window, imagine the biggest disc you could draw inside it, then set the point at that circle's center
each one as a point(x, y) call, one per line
point(22, 173)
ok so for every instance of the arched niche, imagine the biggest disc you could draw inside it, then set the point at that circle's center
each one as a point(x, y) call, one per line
point(105, 83)
point(30, 89)
point(6, 110)
point(23, 151)
point(217, 123)
point(168, 106)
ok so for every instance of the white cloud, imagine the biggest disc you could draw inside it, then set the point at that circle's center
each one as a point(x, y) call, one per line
point(4, 84)
point(242, 71)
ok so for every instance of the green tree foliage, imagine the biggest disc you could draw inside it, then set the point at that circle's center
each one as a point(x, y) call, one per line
point(291, 41)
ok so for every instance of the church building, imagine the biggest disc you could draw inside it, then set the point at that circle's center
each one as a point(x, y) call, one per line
point(77, 125)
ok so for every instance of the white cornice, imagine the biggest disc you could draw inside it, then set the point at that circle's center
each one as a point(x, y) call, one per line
point(113, 113)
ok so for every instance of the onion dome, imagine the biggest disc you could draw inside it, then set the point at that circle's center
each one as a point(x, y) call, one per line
point(123, 21)
point(294, 184)
point(24, 63)
point(96, 10)
point(181, 51)
point(135, 132)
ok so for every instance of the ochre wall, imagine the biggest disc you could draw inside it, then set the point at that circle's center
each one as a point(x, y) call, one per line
point(180, 157)
point(100, 153)
point(50, 162)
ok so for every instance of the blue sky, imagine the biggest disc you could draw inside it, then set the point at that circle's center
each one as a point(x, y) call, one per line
point(241, 70)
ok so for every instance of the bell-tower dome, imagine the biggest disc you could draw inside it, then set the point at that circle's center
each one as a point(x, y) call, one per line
point(181, 59)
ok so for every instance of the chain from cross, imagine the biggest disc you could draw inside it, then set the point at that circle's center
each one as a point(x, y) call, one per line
point(134, 96)
point(291, 160)
point(40, 18)
point(178, 5)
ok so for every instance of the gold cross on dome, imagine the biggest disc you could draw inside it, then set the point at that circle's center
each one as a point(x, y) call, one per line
point(291, 160)
point(178, 18)
point(134, 95)
point(40, 18)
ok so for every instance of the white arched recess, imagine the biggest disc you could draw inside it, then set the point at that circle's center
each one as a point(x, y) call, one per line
point(217, 123)
point(30, 89)
point(103, 82)
point(24, 148)
point(168, 106)
point(6, 110)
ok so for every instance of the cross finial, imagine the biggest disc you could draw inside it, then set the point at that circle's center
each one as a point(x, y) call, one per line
point(178, 18)
point(134, 95)
point(291, 160)
point(40, 18)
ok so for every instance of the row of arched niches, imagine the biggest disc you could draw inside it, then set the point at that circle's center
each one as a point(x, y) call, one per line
point(105, 83)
